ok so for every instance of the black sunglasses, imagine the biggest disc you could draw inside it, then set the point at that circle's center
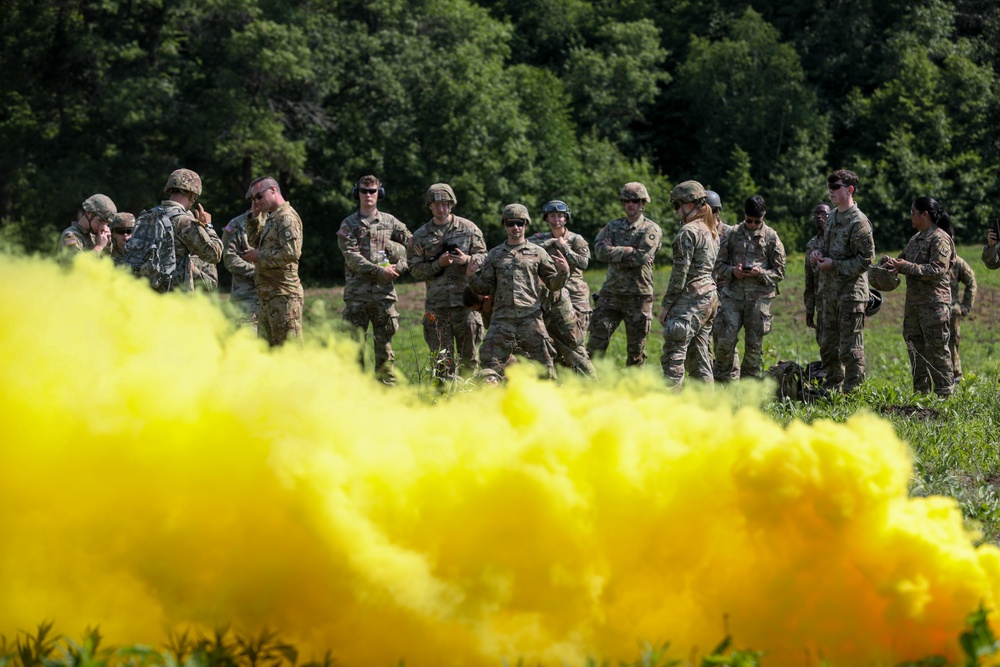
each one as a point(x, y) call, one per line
point(514, 223)
point(123, 230)
point(837, 186)
point(368, 191)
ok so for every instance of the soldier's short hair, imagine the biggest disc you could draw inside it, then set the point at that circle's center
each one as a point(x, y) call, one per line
point(845, 176)
point(369, 181)
point(755, 206)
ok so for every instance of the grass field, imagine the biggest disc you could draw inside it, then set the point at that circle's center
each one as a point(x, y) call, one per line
point(954, 442)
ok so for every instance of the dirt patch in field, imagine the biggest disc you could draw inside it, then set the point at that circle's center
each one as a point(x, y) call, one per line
point(909, 411)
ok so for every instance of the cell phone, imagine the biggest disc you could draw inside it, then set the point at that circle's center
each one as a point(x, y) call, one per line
point(995, 226)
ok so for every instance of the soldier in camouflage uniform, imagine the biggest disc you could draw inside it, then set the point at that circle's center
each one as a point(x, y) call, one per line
point(715, 203)
point(751, 263)
point(810, 294)
point(243, 293)
point(691, 301)
point(91, 230)
point(370, 294)
point(440, 253)
point(121, 226)
point(926, 262)
point(567, 313)
point(848, 252)
point(628, 245)
point(204, 275)
point(274, 232)
point(991, 251)
point(961, 274)
point(514, 273)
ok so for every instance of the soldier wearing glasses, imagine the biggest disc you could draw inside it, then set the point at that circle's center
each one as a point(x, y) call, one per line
point(628, 245)
point(122, 226)
point(513, 274)
point(90, 231)
point(367, 238)
point(750, 264)
point(848, 252)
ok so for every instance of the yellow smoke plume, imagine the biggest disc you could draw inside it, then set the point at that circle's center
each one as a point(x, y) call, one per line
point(159, 470)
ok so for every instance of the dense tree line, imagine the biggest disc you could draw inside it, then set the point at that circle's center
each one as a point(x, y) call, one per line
point(508, 100)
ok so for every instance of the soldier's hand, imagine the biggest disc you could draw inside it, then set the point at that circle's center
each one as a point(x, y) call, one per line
point(446, 259)
point(250, 255)
point(103, 239)
point(203, 217)
point(390, 273)
point(810, 322)
point(825, 264)
point(991, 238)
point(459, 257)
point(560, 261)
point(663, 317)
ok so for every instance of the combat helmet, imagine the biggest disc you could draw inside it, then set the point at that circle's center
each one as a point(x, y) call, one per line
point(440, 192)
point(515, 212)
point(101, 206)
point(185, 180)
point(633, 191)
point(556, 206)
point(122, 220)
point(874, 302)
point(882, 279)
point(688, 192)
point(713, 199)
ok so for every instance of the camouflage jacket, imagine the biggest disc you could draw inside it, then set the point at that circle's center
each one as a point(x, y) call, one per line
point(361, 240)
point(723, 230)
point(991, 256)
point(847, 240)
point(74, 240)
point(278, 240)
point(516, 276)
point(812, 275)
point(629, 274)
point(695, 251)
point(191, 239)
point(234, 240)
point(204, 275)
point(578, 257)
point(928, 277)
point(760, 248)
point(444, 285)
point(962, 274)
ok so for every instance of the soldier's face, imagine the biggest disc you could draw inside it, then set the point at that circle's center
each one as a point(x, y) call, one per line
point(515, 230)
point(819, 219)
point(367, 196)
point(556, 219)
point(633, 207)
point(261, 200)
point(120, 237)
point(441, 210)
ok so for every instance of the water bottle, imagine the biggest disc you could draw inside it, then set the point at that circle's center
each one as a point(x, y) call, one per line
point(382, 259)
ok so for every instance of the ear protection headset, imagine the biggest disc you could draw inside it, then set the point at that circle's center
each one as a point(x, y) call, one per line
point(357, 194)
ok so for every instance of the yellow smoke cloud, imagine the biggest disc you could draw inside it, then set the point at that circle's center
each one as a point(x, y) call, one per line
point(160, 470)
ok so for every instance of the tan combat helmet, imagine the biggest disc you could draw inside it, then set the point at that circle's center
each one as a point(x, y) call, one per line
point(515, 212)
point(688, 192)
point(185, 180)
point(633, 191)
point(101, 206)
point(440, 192)
point(122, 221)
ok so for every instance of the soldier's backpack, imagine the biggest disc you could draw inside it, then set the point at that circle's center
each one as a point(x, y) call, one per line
point(788, 375)
point(150, 251)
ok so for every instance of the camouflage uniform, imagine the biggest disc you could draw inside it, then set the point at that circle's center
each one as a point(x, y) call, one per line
point(961, 274)
point(627, 293)
point(278, 240)
point(746, 302)
point(243, 293)
point(74, 240)
point(991, 256)
point(691, 302)
point(927, 312)
point(578, 258)
point(367, 297)
point(120, 221)
point(516, 276)
point(449, 325)
point(843, 295)
point(723, 230)
point(191, 239)
point(810, 295)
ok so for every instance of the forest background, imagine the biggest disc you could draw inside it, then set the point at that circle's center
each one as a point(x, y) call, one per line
point(507, 100)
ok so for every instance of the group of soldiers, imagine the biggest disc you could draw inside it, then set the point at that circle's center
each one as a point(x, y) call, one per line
point(527, 295)
point(261, 248)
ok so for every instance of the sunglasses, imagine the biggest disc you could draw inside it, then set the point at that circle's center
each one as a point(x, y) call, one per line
point(837, 186)
point(514, 223)
point(123, 231)
point(752, 221)
point(677, 205)
point(630, 201)
point(368, 191)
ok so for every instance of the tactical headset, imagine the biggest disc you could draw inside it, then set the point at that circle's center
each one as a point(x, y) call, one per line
point(356, 193)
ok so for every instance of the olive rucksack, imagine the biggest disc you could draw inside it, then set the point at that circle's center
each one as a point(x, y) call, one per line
point(151, 250)
point(788, 375)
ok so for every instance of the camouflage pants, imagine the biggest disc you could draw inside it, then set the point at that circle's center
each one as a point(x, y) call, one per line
point(583, 321)
point(754, 317)
point(926, 330)
point(953, 341)
point(636, 311)
point(521, 334)
point(451, 328)
point(567, 337)
point(247, 308)
point(280, 317)
point(842, 343)
point(384, 320)
point(687, 337)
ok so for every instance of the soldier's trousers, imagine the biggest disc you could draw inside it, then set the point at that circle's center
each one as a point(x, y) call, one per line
point(247, 309)
point(384, 319)
point(637, 313)
point(567, 338)
point(687, 337)
point(279, 317)
point(754, 317)
point(508, 336)
point(953, 340)
point(842, 343)
point(926, 330)
point(448, 329)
